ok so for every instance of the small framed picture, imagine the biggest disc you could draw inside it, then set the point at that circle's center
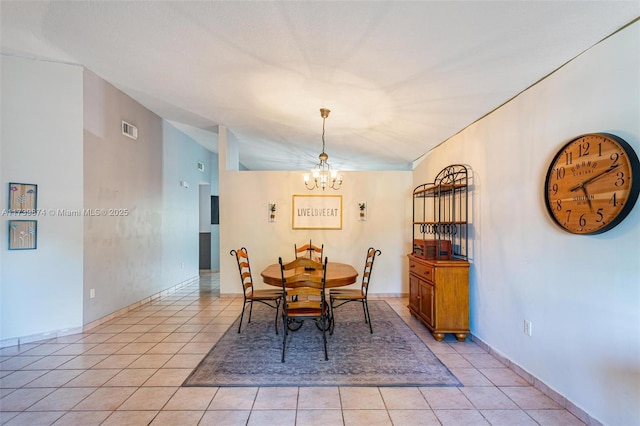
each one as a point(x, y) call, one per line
point(23, 234)
point(23, 197)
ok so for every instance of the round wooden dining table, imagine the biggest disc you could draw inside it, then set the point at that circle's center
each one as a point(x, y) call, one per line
point(338, 274)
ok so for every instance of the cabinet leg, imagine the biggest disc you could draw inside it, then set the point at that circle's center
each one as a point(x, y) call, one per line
point(438, 336)
point(461, 336)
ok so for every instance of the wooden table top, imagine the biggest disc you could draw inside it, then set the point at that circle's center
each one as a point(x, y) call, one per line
point(338, 274)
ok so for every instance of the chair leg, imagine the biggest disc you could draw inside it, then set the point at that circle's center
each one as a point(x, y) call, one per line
point(332, 319)
point(284, 335)
point(241, 316)
point(250, 310)
point(368, 317)
point(277, 312)
point(324, 337)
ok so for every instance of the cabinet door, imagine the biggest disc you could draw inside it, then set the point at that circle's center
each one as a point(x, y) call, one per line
point(427, 299)
point(414, 293)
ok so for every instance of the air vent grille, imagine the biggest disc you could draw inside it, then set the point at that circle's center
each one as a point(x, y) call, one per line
point(129, 130)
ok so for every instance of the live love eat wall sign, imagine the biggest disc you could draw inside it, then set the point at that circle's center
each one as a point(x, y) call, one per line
point(317, 212)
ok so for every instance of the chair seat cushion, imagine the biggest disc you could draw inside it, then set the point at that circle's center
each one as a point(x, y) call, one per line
point(304, 312)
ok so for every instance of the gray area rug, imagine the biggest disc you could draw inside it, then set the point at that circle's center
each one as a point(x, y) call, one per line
point(392, 356)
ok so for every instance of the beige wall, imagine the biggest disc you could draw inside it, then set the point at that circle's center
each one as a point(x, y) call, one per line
point(244, 199)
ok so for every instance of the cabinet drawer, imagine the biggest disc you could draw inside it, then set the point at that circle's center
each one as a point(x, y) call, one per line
point(423, 271)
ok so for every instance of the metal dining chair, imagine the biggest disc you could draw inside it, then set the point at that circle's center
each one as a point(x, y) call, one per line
point(268, 297)
point(309, 251)
point(342, 296)
point(304, 297)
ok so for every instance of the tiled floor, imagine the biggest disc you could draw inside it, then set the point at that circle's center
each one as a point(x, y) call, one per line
point(128, 372)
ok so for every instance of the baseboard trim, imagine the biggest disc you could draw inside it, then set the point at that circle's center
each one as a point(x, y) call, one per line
point(23, 340)
point(538, 384)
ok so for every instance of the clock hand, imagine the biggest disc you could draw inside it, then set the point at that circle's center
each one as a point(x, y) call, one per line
point(591, 179)
point(586, 195)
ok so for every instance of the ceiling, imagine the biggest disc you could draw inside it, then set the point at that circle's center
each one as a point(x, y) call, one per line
point(399, 77)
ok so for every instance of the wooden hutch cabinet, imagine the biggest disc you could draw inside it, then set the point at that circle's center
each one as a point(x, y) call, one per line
point(438, 265)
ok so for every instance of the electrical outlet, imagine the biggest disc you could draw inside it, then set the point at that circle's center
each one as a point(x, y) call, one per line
point(527, 327)
point(92, 293)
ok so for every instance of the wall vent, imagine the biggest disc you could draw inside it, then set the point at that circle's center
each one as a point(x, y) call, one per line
point(129, 130)
point(201, 166)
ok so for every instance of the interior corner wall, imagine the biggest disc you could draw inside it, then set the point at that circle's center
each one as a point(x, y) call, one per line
point(41, 143)
point(581, 293)
point(244, 217)
point(181, 204)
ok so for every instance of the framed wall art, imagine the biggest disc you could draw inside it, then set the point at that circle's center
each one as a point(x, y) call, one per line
point(317, 212)
point(23, 234)
point(23, 197)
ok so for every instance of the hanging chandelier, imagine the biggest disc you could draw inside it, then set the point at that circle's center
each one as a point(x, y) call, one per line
point(323, 175)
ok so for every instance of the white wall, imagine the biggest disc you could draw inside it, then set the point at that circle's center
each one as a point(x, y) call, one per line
point(41, 143)
point(244, 200)
point(582, 293)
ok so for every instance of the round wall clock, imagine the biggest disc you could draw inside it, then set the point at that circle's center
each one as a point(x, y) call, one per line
point(592, 183)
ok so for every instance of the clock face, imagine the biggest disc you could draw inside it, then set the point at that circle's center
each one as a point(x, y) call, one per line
point(591, 184)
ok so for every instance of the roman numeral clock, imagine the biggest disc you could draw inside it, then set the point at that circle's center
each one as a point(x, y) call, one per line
point(592, 183)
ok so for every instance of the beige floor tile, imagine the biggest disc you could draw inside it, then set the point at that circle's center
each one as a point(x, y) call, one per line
point(116, 361)
point(179, 337)
point(168, 377)
point(276, 398)
point(96, 338)
point(191, 398)
point(82, 418)
point(483, 360)
point(35, 418)
point(154, 337)
point(17, 379)
point(82, 362)
point(446, 398)
point(105, 348)
point(488, 398)
point(403, 398)
point(62, 399)
point(325, 417)
point(319, 398)
point(55, 378)
point(554, 417)
point(136, 348)
point(131, 377)
point(75, 349)
point(508, 418)
point(225, 418)
point(454, 360)
point(140, 328)
point(105, 399)
point(503, 377)
point(460, 417)
point(93, 378)
point(18, 362)
point(413, 418)
point(240, 398)
point(366, 417)
point(148, 398)
point(471, 377)
point(45, 349)
point(354, 398)
point(184, 361)
point(272, 418)
point(130, 418)
point(49, 362)
point(166, 348)
point(529, 398)
point(22, 399)
point(177, 418)
point(151, 361)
